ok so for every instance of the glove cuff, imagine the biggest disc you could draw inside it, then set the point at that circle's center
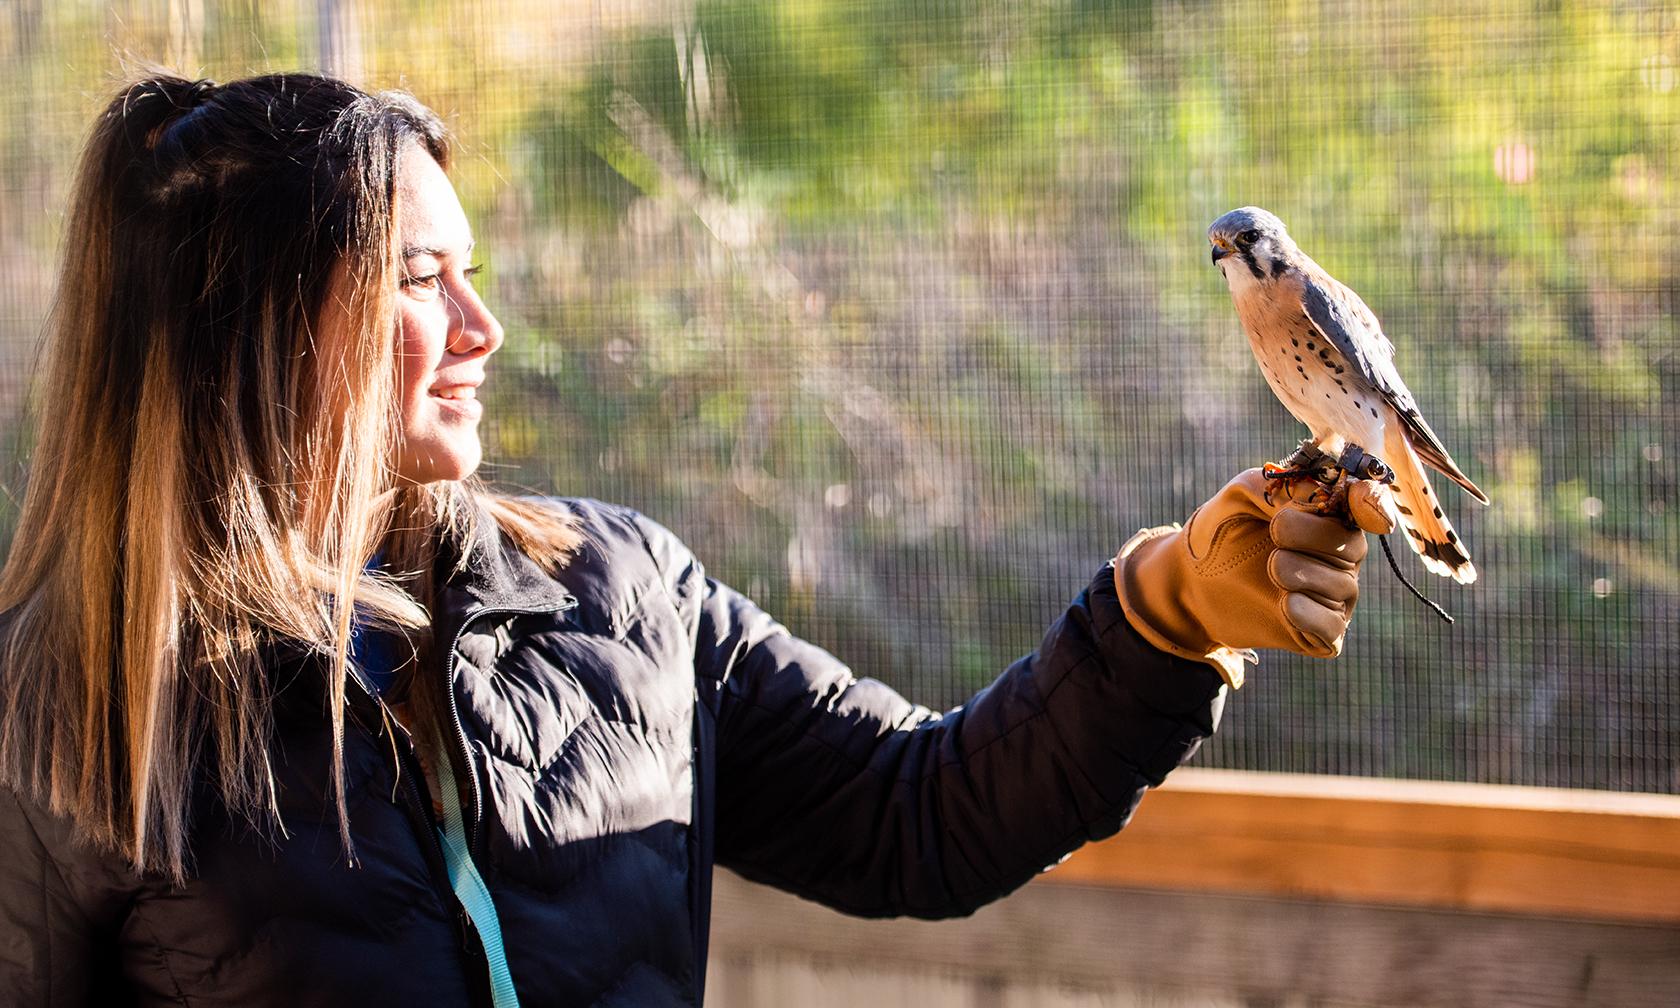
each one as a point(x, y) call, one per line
point(1134, 596)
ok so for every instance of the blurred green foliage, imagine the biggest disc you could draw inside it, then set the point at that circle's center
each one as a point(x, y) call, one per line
point(901, 313)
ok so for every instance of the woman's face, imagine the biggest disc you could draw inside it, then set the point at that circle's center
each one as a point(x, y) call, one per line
point(445, 334)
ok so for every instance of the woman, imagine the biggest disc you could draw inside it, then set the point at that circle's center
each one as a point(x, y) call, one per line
point(293, 711)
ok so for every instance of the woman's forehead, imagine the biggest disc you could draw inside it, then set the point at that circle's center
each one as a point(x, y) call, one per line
point(430, 219)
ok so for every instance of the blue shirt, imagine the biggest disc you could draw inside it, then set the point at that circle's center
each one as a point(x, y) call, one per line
point(377, 654)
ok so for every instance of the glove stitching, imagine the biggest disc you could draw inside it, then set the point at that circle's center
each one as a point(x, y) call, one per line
point(1235, 560)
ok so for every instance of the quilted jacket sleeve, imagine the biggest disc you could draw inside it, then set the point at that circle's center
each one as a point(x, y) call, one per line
point(838, 789)
point(58, 913)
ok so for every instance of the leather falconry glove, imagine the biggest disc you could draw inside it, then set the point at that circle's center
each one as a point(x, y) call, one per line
point(1263, 564)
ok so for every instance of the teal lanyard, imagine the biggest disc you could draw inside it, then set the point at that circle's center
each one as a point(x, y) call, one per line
point(469, 885)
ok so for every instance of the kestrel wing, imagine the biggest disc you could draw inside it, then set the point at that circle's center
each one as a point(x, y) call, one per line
point(1342, 319)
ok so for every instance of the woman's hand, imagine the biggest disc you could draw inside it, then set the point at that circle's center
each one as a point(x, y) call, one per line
point(1264, 563)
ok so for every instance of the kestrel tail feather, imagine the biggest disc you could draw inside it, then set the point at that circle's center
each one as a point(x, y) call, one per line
point(1434, 454)
point(1421, 517)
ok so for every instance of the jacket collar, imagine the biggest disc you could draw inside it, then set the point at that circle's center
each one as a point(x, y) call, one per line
point(493, 575)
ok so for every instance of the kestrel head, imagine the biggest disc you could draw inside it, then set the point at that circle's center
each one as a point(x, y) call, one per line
point(1251, 245)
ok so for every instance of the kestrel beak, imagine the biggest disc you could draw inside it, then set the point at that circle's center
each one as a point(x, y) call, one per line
point(1219, 252)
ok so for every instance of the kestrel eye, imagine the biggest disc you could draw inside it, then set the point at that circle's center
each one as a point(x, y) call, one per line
point(1249, 237)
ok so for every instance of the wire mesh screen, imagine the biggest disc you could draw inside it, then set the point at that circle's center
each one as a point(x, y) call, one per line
point(901, 314)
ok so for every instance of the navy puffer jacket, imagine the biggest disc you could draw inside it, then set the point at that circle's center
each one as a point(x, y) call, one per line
point(629, 723)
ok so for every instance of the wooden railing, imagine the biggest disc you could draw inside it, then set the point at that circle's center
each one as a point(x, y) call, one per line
point(1541, 851)
point(1233, 889)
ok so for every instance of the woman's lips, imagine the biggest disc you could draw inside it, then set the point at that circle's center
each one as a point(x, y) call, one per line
point(459, 399)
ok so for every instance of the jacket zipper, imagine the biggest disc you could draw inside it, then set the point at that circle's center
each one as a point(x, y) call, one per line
point(406, 754)
point(409, 766)
point(416, 788)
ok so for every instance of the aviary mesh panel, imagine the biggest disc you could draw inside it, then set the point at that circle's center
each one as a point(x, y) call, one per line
point(901, 314)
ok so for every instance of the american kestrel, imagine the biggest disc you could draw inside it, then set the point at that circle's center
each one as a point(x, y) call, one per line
point(1326, 358)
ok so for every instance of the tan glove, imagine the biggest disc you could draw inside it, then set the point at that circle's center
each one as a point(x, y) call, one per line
point(1264, 563)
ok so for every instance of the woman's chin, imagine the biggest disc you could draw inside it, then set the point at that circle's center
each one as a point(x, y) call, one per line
point(438, 466)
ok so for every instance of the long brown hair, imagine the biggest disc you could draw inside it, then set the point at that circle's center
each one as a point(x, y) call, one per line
point(215, 427)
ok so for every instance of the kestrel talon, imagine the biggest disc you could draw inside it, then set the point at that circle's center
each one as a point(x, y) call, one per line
point(1326, 358)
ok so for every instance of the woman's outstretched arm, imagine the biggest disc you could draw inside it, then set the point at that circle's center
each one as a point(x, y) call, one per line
point(840, 790)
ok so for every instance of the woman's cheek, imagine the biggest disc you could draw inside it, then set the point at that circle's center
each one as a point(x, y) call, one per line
point(415, 359)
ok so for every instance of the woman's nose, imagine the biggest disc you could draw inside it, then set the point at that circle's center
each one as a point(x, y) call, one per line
point(476, 330)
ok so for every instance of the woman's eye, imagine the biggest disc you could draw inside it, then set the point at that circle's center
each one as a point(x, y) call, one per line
point(424, 285)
